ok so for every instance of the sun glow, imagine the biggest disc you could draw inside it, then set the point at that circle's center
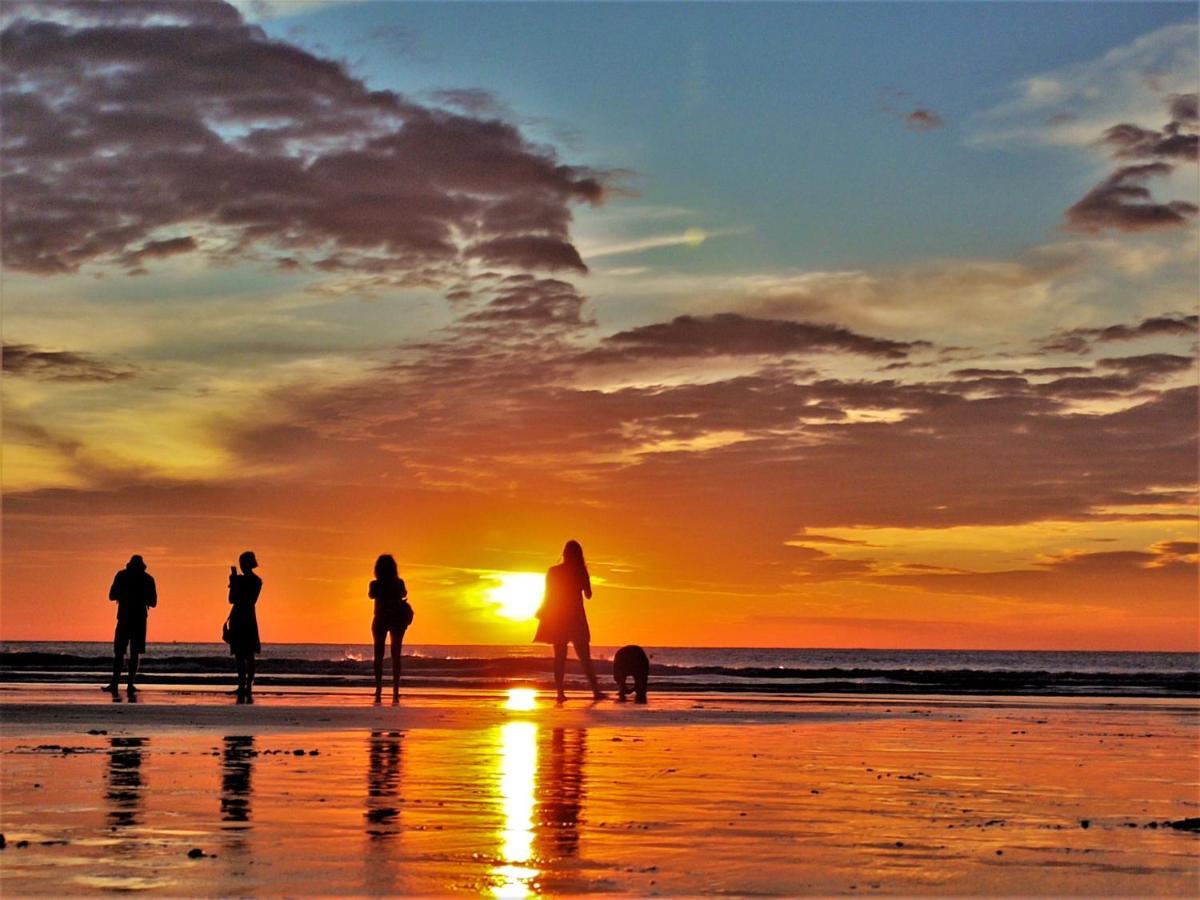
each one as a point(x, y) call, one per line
point(517, 595)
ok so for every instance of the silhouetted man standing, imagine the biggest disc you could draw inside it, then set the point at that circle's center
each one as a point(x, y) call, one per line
point(134, 592)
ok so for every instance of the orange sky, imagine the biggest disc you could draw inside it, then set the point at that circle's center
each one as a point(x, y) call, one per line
point(412, 321)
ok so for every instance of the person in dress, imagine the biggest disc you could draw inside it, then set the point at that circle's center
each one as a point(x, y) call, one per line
point(393, 615)
point(562, 620)
point(244, 642)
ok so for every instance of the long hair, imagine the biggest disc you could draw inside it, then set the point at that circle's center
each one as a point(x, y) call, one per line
point(573, 556)
point(385, 568)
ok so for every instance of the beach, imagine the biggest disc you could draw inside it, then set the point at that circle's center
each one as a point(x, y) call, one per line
point(317, 791)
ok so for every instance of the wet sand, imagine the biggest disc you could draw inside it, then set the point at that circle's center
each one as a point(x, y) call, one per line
point(481, 792)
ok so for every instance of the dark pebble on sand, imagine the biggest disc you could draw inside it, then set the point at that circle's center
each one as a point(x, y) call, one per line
point(195, 853)
point(1084, 823)
point(1192, 824)
point(899, 843)
point(21, 845)
point(314, 752)
point(297, 753)
point(37, 784)
point(999, 852)
point(3, 842)
point(96, 731)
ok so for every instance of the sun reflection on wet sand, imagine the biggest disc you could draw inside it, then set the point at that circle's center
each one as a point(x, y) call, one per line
point(521, 699)
point(518, 777)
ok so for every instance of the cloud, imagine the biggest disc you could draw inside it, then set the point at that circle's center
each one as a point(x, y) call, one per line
point(1164, 577)
point(1080, 340)
point(536, 305)
point(1176, 141)
point(739, 335)
point(1115, 104)
point(26, 360)
point(157, 250)
point(918, 118)
point(1150, 366)
point(1121, 202)
point(133, 129)
point(473, 101)
point(1071, 106)
point(922, 119)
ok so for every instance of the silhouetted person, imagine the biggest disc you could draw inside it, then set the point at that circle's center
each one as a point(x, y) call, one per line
point(134, 593)
point(561, 619)
point(631, 662)
point(393, 615)
point(244, 643)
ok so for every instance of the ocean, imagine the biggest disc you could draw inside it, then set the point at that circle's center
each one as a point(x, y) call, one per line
point(685, 669)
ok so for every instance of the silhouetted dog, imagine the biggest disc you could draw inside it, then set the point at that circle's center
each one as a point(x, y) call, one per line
point(631, 662)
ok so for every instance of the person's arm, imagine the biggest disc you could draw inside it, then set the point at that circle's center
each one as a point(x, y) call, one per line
point(403, 591)
point(114, 592)
point(587, 585)
point(373, 590)
point(152, 594)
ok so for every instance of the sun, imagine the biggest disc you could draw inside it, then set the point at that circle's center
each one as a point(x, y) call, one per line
point(517, 595)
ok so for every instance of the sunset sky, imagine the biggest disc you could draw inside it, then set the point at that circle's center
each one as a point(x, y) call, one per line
point(842, 325)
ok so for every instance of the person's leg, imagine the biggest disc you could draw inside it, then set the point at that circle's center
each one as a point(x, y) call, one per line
point(249, 672)
point(397, 646)
point(584, 651)
point(118, 658)
point(560, 669)
point(133, 666)
point(241, 669)
point(380, 645)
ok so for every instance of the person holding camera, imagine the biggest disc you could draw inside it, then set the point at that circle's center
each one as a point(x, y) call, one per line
point(241, 629)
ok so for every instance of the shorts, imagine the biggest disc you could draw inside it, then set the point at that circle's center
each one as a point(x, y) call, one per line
point(397, 623)
point(131, 634)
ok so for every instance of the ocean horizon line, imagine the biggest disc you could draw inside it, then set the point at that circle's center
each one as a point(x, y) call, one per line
point(599, 646)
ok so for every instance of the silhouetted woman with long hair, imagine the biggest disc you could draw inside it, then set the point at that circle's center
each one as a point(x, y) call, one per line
point(561, 619)
point(393, 615)
point(243, 639)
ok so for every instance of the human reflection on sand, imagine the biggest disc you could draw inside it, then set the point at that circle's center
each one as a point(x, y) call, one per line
point(236, 792)
point(124, 781)
point(384, 759)
point(541, 780)
point(383, 784)
point(560, 794)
